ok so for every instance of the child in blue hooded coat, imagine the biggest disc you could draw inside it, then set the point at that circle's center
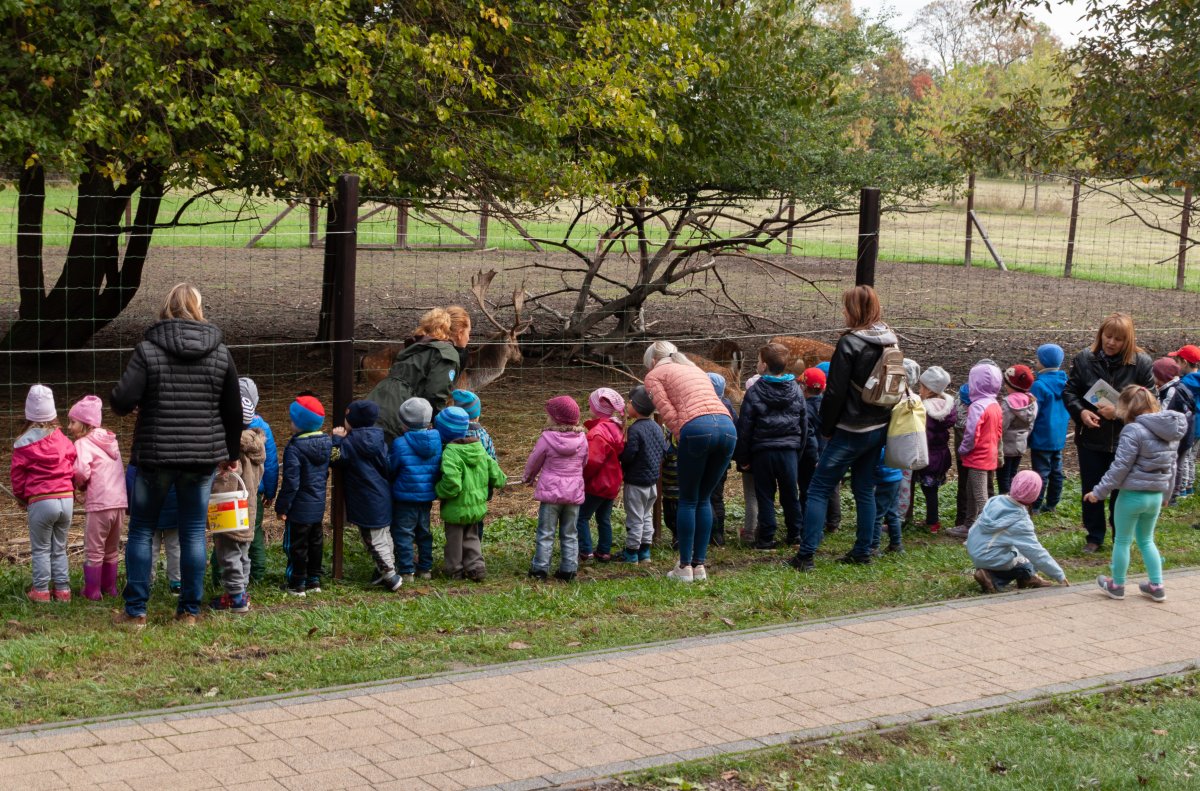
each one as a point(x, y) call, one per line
point(360, 450)
point(414, 462)
point(1049, 434)
point(1003, 544)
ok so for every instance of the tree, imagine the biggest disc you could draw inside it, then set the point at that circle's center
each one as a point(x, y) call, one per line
point(956, 34)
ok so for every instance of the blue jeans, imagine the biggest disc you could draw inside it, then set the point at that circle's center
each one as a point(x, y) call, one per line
point(150, 489)
point(410, 530)
point(773, 469)
point(601, 508)
point(1006, 472)
point(1048, 464)
point(887, 512)
point(556, 520)
point(859, 453)
point(705, 448)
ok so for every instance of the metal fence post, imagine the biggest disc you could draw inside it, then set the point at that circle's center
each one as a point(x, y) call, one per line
point(1185, 218)
point(342, 240)
point(1071, 227)
point(868, 236)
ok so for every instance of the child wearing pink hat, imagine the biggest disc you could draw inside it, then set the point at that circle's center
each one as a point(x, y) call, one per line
point(1003, 544)
point(555, 468)
point(602, 476)
point(100, 478)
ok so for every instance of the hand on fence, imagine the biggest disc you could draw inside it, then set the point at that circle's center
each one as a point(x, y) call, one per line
point(339, 431)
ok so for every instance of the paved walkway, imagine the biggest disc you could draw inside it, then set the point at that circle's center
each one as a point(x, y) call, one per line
point(540, 724)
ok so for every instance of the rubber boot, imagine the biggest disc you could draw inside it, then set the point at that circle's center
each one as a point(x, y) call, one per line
point(91, 582)
point(108, 579)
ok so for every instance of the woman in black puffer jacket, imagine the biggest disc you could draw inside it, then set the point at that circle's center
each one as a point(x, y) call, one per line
point(184, 384)
point(1114, 357)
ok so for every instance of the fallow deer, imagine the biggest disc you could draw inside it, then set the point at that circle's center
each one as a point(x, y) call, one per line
point(733, 386)
point(803, 352)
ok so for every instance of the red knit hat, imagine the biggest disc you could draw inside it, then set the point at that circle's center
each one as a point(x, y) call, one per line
point(814, 378)
point(1019, 377)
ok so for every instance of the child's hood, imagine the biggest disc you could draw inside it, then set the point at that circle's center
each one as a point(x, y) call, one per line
point(254, 445)
point(984, 382)
point(469, 450)
point(1192, 380)
point(1003, 513)
point(1019, 401)
point(371, 440)
point(425, 442)
point(878, 334)
point(939, 407)
point(565, 443)
point(33, 436)
point(105, 442)
point(1055, 379)
point(777, 394)
point(1167, 425)
point(315, 447)
point(607, 427)
point(964, 394)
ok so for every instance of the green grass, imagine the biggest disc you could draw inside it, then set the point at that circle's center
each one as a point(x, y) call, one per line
point(1144, 737)
point(65, 661)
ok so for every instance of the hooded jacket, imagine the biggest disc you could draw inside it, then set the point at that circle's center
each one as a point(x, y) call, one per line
point(305, 469)
point(363, 455)
point(849, 368)
point(642, 456)
point(270, 479)
point(556, 464)
point(43, 466)
point(980, 448)
point(1019, 411)
point(1192, 383)
point(1003, 536)
point(184, 384)
point(1146, 455)
point(99, 472)
point(254, 454)
point(1177, 397)
point(414, 462)
point(1089, 367)
point(1050, 427)
point(940, 418)
point(602, 473)
point(427, 368)
point(468, 475)
point(774, 416)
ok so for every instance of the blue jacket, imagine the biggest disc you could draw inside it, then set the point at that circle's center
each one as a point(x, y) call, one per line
point(363, 455)
point(415, 461)
point(168, 517)
point(1192, 382)
point(1003, 535)
point(885, 474)
point(814, 443)
point(1053, 420)
point(642, 457)
point(774, 417)
point(1178, 398)
point(270, 480)
point(305, 469)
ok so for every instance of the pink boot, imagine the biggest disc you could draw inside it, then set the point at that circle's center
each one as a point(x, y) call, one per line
point(108, 582)
point(91, 582)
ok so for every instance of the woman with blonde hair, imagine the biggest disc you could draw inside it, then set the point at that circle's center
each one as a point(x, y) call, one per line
point(1114, 358)
point(427, 368)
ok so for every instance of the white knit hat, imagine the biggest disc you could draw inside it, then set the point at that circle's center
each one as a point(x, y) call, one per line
point(39, 405)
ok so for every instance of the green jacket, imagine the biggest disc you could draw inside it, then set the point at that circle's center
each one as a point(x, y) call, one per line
point(468, 476)
point(426, 369)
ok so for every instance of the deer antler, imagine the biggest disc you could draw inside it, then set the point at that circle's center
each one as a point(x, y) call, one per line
point(519, 326)
point(480, 284)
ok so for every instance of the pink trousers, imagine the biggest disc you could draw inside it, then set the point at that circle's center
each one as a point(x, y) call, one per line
point(102, 536)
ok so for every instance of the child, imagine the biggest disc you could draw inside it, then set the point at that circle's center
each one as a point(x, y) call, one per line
point(166, 534)
point(414, 463)
point(962, 407)
point(301, 501)
point(43, 470)
point(939, 422)
point(1177, 398)
point(470, 403)
point(1020, 411)
point(771, 432)
point(1144, 472)
point(641, 459)
point(749, 532)
point(602, 473)
point(270, 479)
point(1188, 358)
point(1049, 434)
point(100, 476)
point(717, 539)
point(887, 507)
point(556, 469)
point(359, 448)
point(670, 486)
point(813, 381)
point(1002, 542)
point(904, 496)
point(979, 451)
point(468, 476)
point(232, 547)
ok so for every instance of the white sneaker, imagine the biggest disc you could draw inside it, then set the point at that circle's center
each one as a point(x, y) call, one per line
point(699, 574)
point(681, 573)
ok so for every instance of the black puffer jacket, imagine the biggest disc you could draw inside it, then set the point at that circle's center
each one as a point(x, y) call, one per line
point(184, 384)
point(427, 368)
point(774, 416)
point(1086, 369)
point(856, 354)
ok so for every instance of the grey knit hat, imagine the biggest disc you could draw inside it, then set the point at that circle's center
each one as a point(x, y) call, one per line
point(416, 413)
point(936, 378)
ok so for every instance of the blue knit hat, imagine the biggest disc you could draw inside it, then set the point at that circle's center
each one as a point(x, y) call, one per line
point(468, 401)
point(307, 413)
point(718, 383)
point(824, 367)
point(452, 423)
point(362, 414)
point(1050, 355)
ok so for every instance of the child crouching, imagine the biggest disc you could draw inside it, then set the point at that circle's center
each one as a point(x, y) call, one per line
point(100, 475)
point(1002, 542)
point(469, 475)
point(556, 469)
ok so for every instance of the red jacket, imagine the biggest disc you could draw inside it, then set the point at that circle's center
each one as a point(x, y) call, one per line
point(985, 455)
point(602, 473)
point(43, 463)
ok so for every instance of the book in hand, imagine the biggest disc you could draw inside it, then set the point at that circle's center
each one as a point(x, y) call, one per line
point(1101, 394)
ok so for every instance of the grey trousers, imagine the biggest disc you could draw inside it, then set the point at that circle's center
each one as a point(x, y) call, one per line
point(557, 519)
point(49, 521)
point(169, 541)
point(378, 543)
point(233, 558)
point(464, 555)
point(639, 515)
point(750, 521)
point(977, 495)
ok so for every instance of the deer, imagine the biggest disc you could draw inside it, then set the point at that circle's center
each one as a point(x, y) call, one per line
point(803, 352)
point(733, 386)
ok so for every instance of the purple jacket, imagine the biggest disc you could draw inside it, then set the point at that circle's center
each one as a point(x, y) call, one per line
point(557, 465)
point(940, 417)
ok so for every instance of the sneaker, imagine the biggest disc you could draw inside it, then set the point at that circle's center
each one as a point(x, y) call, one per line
point(394, 582)
point(681, 574)
point(1035, 582)
point(239, 603)
point(831, 529)
point(603, 557)
point(957, 532)
point(1113, 590)
point(538, 574)
point(584, 557)
point(297, 592)
point(747, 536)
point(1155, 592)
point(424, 575)
point(175, 587)
point(699, 574)
point(803, 563)
point(896, 549)
point(766, 546)
point(62, 595)
point(38, 596)
point(312, 588)
point(122, 618)
point(855, 560)
point(564, 576)
point(1090, 549)
point(933, 528)
point(185, 619)
point(407, 579)
point(986, 583)
point(644, 554)
point(629, 556)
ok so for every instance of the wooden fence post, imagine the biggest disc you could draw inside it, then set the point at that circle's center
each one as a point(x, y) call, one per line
point(868, 236)
point(1184, 226)
point(342, 241)
point(791, 231)
point(970, 211)
point(1072, 225)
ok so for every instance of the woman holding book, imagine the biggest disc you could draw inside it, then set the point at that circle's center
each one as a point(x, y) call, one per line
point(1113, 362)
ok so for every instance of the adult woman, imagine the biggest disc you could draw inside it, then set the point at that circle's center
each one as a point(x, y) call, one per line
point(856, 430)
point(705, 435)
point(432, 359)
point(184, 384)
point(1115, 358)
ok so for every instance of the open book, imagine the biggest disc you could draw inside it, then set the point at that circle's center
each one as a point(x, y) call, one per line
point(1101, 394)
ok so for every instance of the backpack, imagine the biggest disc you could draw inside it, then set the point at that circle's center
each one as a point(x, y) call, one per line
point(887, 383)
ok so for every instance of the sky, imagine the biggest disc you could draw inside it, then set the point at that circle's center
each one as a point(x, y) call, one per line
point(1063, 20)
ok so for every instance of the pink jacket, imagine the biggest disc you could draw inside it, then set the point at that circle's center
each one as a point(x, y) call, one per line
point(682, 393)
point(557, 465)
point(99, 473)
point(43, 463)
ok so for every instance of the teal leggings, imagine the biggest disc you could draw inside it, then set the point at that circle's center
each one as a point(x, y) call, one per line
point(1133, 518)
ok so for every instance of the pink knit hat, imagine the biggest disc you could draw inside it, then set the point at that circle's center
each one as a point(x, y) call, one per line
point(1026, 486)
point(563, 410)
point(606, 402)
point(87, 410)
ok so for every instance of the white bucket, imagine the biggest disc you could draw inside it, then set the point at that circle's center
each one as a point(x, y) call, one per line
point(229, 511)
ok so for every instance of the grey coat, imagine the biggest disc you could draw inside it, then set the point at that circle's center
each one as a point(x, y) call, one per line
point(1146, 455)
point(1018, 422)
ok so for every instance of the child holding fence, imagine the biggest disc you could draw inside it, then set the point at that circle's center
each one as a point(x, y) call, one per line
point(641, 459)
point(100, 476)
point(602, 473)
point(360, 450)
point(469, 475)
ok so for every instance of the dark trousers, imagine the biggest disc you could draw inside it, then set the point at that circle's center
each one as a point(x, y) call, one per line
point(670, 509)
point(1008, 470)
point(1048, 464)
point(258, 547)
point(304, 545)
point(1018, 573)
point(1092, 466)
point(931, 504)
point(777, 470)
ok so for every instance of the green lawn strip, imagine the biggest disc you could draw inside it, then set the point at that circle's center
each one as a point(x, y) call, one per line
point(65, 661)
point(1142, 737)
